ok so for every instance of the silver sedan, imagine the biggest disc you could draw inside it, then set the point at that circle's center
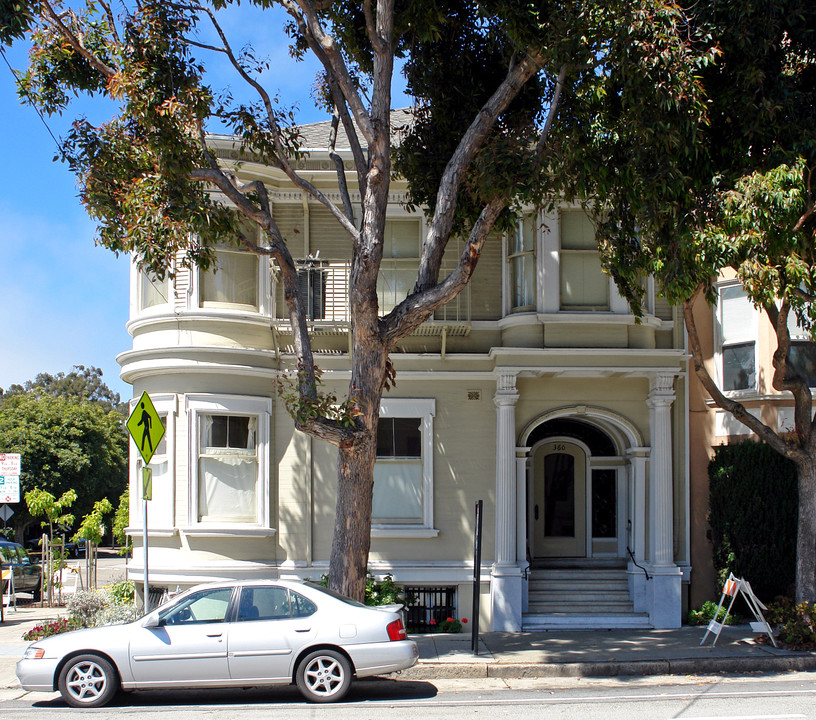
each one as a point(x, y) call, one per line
point(223, 635)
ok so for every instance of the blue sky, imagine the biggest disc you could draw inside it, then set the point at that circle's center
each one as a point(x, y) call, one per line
point(65, 301)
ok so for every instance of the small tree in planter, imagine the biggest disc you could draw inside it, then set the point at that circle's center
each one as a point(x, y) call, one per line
point(42, 502)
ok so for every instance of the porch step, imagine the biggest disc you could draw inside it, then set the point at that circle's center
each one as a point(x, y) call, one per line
point(580, 595)
point(577, 621)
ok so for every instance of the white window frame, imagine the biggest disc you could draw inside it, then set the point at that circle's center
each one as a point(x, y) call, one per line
point(237, 405)
point(401, 263)
point(579, 253)
point(750, 333)
point(161, 508)
point(425, 410)
point(510, 260)
point(136, 308)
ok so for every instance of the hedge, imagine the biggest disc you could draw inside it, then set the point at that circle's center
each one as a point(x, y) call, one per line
point(753, 509)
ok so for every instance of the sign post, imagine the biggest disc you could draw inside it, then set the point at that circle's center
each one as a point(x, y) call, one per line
point(10, 468)
point(146, 429)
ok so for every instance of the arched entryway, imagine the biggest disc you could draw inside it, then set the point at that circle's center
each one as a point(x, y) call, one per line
point(577, 491)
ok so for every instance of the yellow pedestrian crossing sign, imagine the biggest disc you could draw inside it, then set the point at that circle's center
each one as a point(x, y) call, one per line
point(145, 427)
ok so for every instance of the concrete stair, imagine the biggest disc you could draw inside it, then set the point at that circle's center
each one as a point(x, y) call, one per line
point(580, 595)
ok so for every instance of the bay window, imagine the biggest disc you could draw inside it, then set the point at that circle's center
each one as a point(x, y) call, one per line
point(584, 285)
point(521, 260)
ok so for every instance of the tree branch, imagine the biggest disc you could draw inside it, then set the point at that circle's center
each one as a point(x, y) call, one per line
point(74, 41)
point(340, 166)
point(446, 198)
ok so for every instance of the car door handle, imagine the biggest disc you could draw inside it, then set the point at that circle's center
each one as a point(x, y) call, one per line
point(302, 630)
point(214, 634)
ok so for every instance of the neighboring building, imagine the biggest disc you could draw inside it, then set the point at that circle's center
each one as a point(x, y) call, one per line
point(739, 342)
point(535, 390)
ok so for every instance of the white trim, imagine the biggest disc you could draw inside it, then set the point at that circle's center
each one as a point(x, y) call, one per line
point(425, 409)
point(205, 404)
point(751, 334)
point(166, 405)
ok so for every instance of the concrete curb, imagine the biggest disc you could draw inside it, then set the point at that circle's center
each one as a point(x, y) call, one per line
point(690, 666)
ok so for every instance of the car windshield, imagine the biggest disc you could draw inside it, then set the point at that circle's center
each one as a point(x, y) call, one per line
point(334, 594)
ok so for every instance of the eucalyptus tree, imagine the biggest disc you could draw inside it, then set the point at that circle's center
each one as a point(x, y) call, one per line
point(490, 79)
point(743, 201)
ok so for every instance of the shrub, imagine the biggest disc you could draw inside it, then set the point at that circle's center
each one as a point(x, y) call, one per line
point(753, 507)
point(51, 627)
point(796, 624)
point(114, 604)
point(705, 615)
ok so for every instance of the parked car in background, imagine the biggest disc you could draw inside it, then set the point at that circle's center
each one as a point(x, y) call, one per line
point(230, 634)
point(27, 574)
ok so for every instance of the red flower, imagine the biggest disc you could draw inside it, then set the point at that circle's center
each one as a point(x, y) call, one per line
point(433, 622)
point(450, 620)
point(464, 620)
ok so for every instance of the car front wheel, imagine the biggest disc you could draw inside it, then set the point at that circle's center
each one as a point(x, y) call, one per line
point(324, 676)
point(88, 681)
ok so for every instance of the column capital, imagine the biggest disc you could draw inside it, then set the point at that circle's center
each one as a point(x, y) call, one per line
point(506, 393)
point(661, 390)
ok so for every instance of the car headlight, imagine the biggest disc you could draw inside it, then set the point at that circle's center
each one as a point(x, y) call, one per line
point(34, 653)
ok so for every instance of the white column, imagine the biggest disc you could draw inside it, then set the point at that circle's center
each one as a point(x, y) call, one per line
point(505, 400)
point(505, 585)
point(663, 592)
point(661, 495)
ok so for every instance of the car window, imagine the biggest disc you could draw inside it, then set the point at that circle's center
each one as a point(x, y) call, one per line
point(334, 594)
point(7, 555)
point(302, 606)
point(263, 603)
point(205, 606)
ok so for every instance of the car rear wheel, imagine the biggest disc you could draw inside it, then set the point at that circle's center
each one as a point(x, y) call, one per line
point(324, 676)
point(88, 681)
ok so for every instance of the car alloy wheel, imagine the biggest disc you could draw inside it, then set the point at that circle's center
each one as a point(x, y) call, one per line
point(324, 676)
point(88, 681)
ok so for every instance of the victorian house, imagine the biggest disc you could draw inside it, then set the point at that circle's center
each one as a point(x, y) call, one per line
point(534, 391)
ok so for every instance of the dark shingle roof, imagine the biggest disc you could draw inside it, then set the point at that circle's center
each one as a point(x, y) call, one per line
point(315, 136)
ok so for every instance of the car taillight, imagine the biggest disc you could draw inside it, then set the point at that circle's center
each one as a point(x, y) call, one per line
point(396, 630)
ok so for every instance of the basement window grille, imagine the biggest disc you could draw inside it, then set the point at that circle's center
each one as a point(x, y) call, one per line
point(426, 604)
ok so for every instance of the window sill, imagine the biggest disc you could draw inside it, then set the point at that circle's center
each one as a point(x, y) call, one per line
point(220, 531)
point(403, 531)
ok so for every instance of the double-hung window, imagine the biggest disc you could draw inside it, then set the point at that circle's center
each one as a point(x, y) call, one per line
point(230, 483)
point(232, 282)
point(738, 329)
point(152, 292)
point(521, 261)
point(584, 285)
point(401, 243)
point(802, 353)
point(403, 472)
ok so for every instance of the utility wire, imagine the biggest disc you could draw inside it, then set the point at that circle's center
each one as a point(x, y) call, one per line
point(37, 110)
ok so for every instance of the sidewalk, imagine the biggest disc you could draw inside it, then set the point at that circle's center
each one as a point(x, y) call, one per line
point(524, 655)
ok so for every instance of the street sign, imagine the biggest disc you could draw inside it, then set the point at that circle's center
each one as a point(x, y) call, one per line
point(145, 427)
point(10, 463)
point(10, 488)
point(5, 512)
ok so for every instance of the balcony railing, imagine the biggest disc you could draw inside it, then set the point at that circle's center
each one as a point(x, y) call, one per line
point(324, 286)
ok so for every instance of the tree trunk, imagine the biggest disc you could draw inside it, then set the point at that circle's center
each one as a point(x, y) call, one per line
point(806, 532)
point(352, 523)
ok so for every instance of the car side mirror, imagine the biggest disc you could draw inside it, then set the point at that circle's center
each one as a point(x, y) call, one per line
point(152, 621)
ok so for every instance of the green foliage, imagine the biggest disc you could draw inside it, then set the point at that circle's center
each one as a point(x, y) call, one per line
point(448, 625)
point(753, 510)
point(304, 407)
point(66, 444)
point(121, 520)
point(705, 615)
point(92, 527)
point(41, 502)
point(81, 384)
point(377, 592)
point(796, 623)
point(382, 592)
point(122, 592)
